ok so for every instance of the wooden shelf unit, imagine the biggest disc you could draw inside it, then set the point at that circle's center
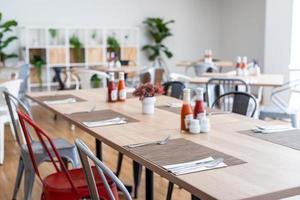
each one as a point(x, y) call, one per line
point(58, 52)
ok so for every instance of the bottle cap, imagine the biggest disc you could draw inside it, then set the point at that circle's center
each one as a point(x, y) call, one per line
point(121, 75)
point(199, 92)
point(245, 59)
point(238, 59)
point(111, 76)
point(186, 95)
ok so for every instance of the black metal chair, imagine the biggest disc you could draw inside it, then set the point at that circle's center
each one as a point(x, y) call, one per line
point(174, 89)
point(237, 102)
point(218, 86)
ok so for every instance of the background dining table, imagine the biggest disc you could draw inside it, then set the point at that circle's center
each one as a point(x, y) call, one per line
point(269, 171)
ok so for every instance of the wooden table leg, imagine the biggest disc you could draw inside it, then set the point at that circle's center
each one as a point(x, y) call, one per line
point(149, 185)
point(98, 149)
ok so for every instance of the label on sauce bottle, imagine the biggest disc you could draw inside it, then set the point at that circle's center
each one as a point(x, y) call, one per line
point(114, 95)
point(122, 94)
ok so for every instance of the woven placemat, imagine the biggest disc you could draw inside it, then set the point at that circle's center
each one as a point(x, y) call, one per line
point(59, 97)
point(180, 151)
point(99, 115)
point(289, 138)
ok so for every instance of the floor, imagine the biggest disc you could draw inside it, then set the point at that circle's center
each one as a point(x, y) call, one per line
point(60, 128)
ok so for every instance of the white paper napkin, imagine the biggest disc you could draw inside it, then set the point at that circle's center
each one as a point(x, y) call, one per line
point(272, 128)
point(108, 122)
point(61, 101)
point(189, 167)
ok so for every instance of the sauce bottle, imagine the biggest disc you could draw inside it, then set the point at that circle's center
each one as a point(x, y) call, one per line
point(121, 87)
point(245, 66)
point(112, 90)
point(199, 106)
point(238, 66)
point(186, 108)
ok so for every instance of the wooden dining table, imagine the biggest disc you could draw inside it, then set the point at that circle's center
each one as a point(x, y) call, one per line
point(262, 80)
point(269, 171)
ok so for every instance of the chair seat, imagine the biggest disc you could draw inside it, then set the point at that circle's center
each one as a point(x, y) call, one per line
point(59, 144)
point(57, 186)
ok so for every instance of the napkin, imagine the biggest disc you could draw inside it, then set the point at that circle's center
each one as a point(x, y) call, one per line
point(61, 101)
point(194, 166)
point(108, 122)
point(272, 128)
point(174, 105)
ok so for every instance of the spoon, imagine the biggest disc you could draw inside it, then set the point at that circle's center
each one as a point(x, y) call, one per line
point(160, 142)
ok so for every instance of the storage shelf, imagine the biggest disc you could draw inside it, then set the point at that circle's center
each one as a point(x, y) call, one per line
point(57, 52)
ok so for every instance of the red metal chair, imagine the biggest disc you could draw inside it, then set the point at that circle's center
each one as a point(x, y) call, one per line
point(63, 184)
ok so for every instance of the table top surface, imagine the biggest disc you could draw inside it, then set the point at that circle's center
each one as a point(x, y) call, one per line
point(221, 63)
point(271, 170)
point(266, 80)
point(126, 69)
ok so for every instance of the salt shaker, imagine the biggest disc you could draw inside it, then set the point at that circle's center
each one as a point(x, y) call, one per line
point(194, 126)
point(205, 125)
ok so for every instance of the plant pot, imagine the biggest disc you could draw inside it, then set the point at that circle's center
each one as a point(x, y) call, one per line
point(148, 105)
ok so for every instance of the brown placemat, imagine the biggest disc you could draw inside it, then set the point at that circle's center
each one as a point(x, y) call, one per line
point(180, 151)
point(289, 138)
point(59, 97)
point(99, 115)
point(177, 110)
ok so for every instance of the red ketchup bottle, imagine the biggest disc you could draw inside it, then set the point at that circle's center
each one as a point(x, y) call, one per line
point(112, 95)
point(199, 106)
point(186, 108)
point(121, 87)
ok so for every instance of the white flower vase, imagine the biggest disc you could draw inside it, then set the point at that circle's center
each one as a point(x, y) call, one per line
point(148, 105)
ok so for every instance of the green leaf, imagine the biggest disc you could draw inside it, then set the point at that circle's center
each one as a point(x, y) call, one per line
point(12, 55)
point(0, 16)
point(7, 25)
point(6, 42)
point(113, 43)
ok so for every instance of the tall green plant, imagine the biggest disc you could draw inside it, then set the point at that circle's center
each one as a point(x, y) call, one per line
point(77, 45)
point(38, 62)
point(113, 44)
point(5, 28)
point(158, 30)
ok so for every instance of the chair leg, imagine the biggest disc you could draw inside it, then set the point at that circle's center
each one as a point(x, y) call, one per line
point(66, 161)
point(294, 121)
point(18, 178)
point(119, 164)
point(137, 174)
point(28, 183)
point(170, 190)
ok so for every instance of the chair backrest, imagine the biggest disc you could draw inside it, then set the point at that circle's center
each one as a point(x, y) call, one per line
point(288, 87)
point(85, 76)
point(218, 86)
point(23, 75)
point(174, 89)
point(202, 68)
point(237, 102)
point(86, 156)
point(13, 103)
point(48, 147)
point(152, 74)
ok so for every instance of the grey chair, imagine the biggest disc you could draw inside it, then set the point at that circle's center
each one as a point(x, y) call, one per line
point(86, 156)
point(200, 69)
point(24, 75)
point(280, 108)
point(174, 89)
point(237, 102)
point(67, 151)
point(218, 86)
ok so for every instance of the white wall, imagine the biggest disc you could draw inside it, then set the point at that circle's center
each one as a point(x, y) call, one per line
point(278, 36)
point(242, 29)
point(196, 27)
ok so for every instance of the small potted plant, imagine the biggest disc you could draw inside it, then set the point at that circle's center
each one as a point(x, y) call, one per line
point(54, 36)
point(147, 92)
point(38, 62)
